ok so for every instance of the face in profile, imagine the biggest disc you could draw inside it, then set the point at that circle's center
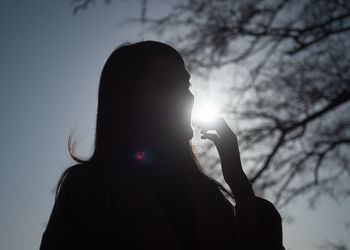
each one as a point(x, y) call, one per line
point(169, 96)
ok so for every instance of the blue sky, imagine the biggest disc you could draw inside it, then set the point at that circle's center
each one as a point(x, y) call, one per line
point(50, 65)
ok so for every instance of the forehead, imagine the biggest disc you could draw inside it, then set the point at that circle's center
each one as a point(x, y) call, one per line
point(166, 69)
point(168, 65)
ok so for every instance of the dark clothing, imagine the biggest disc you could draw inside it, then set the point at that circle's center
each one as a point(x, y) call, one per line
point(180, 214)
point(143, 210)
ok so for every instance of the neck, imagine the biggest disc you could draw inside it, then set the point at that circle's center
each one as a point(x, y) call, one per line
point(143, 152)
point(154, 151)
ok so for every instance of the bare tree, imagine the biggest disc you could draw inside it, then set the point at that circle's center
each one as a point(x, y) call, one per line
point(293, 108)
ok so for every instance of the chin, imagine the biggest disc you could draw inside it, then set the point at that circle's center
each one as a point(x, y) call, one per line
point(182, 132)
point(189, 134)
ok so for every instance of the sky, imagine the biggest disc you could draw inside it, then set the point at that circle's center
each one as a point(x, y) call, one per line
point(50, 66)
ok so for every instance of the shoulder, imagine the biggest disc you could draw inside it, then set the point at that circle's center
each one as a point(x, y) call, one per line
point(79, 179)
point(269, 210)
point(78, 174)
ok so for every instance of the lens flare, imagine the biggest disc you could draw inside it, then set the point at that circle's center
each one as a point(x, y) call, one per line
point(143, 156)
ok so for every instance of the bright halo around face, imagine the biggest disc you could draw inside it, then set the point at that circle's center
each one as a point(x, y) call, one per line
point(204, 113)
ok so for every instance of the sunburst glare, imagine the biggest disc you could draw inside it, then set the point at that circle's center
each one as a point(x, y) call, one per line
point(204, 112)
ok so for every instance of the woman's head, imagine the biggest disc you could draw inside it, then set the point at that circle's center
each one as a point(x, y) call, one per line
point(143, 100)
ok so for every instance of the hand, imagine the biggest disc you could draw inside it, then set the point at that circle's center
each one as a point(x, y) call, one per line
point(226, 143)
point(227, 146)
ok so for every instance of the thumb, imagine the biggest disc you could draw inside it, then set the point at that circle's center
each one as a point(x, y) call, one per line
point(212, 137)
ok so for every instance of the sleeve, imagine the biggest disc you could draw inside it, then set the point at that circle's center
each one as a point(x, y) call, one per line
point(80, 218)
point(265, 232)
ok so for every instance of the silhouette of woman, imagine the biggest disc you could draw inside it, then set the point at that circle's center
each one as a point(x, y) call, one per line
point(142, 188)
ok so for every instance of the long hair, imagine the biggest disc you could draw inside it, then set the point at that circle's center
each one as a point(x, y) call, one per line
point(118, 109)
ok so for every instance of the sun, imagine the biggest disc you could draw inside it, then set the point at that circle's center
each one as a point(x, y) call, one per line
point(204, 112)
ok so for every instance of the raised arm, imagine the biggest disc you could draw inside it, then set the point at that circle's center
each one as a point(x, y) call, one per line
point(258, 223)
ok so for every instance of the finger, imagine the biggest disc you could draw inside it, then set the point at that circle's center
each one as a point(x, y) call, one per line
point(212, 137)
point(218, 124)
point(203, 131)
point(222, 124)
